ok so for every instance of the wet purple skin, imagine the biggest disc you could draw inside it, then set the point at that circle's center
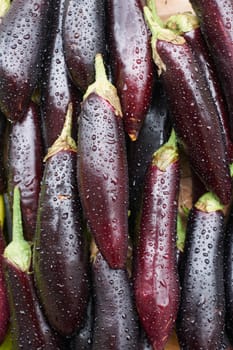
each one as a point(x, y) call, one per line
point(3, 136)
point(103, 178)
point(131, 61)
point(116, 321)
point(155, 273)
point(195, 118)
point(25, 165)
point(83, 38)
point(22, 33)
point(201, 317)
point(60, 254)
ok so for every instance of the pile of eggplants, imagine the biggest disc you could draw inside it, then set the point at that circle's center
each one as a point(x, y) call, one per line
point(103, 108)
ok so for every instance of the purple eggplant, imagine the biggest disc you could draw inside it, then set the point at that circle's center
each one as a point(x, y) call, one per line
point(60, 255)
point(25, 165)
point(201, 317)
point(102, 168)
point(193, 112)
point(22, 33)
point(155, 272)
point(56, 88)
point(83, 38)
point(29, 328)
point(216, 23)
point(131, 61)
point(4, 127)
point(115, 317)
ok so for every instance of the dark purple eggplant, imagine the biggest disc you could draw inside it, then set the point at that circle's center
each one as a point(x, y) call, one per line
point(155, 272)
point(25, 165)
point(102, 168)
point(193, 112)
point(83, 38)
point(3, 137)
point(29, 328)
point(216, 23)
point(116, 324)
point(131, 61)
point(60, 256)
point(201, 317)
point(22, 33)
point(187, 24)
point(56, 88)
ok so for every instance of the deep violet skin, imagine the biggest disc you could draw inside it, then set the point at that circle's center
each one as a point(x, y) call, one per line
point(3, 135)
point(83, 38)
point(115, 317)
point(22, 33)
point(216, 23)
point(102, 171)
point(193, 112)
point(60, 252)
point(155, 271)
point(25, 165)
point(57, 89)
point(131, 61)
point(201, 317)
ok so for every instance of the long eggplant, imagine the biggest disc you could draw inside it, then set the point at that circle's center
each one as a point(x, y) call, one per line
point(201, 317)
point(216, 23)
point(60, 255)
point(102, 168)
point(29, 328)
point(25, 165)
point(156, 281)
point(22, 34)
point(193, 112)
point(83, 37)
point(3, 141)
point(115, 317)
point(131, 61)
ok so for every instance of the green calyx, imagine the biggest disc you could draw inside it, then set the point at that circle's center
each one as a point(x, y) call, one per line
point(182, 22)
point(4, 7)
point(181, 233)
point(18, 252)
point(208, 203)
point(65, 140)
point(160, 33)
point(166, 154)
point(103, 87)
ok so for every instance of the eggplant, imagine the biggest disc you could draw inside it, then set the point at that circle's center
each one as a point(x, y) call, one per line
point(102, 171)
point(201, 317)
point(131, 61)
point(116, 324)
point(193, 112)
point(155, 271)
point(56, 88)
point(22, 33)
point(83, 37)
point(25, 165)
point(29, 328)
point(187, 24)
point(60, 254)
point(216, 22)
point(3, 140)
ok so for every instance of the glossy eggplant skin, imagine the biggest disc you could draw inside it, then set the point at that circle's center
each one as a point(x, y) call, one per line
point(25, 165)
point(216, 22)
point(83, 38)
point(57, 91)
point(115, 317)
point(4, 304)
point(156, 280)
point(195, 118)
point(103, 177)
point(131, 61)
point(22, 33)
point(3, 132)
point(197, 43)
point(153, 134)
point(29, 328)
point(60, 254)
point(201, 318)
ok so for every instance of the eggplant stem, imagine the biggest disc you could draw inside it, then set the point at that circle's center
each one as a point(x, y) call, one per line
point(181, 233)
point(4, 7)
point(152, 6)
point(208, 203)
point(2, 211)
point(182, 22)
point(166, 154)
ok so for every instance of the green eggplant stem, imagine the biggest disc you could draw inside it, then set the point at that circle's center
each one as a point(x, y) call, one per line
point(4, 7)
point(208, 203)
point(182, 22)
point(181, 233)
point(18, 251)
point(152, 6)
